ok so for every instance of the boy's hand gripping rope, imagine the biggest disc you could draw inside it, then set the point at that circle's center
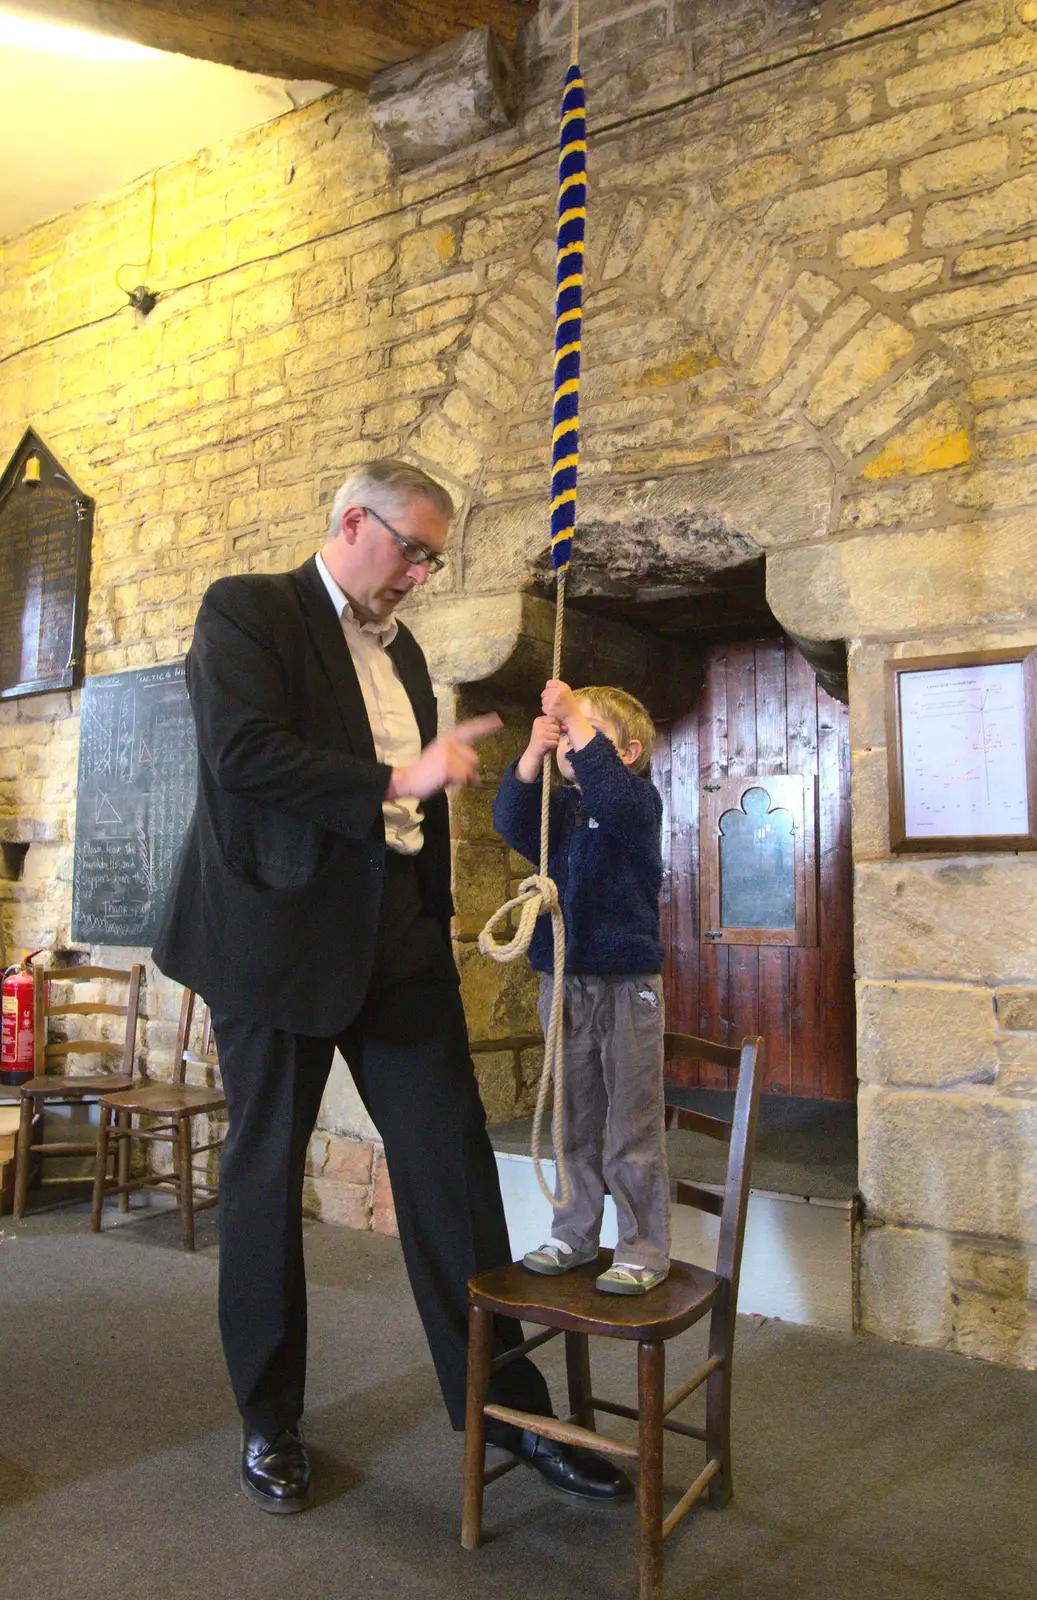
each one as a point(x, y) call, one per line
point(538, 893)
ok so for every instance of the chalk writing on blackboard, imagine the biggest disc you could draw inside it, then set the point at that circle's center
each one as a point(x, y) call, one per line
point(134, 799)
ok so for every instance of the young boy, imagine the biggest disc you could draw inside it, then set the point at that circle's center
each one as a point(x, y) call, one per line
point(605, 857)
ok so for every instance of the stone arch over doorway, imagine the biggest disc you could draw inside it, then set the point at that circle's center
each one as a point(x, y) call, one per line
point(718, 368)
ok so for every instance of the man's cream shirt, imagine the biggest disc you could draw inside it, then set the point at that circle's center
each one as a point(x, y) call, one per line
point(390, 713)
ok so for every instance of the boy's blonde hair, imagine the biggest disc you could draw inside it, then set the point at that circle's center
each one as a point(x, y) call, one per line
point(627, 715)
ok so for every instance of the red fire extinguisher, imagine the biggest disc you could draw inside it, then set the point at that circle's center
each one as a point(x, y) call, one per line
point(17, 1049)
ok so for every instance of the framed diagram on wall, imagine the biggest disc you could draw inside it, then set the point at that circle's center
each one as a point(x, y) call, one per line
point(962, 744)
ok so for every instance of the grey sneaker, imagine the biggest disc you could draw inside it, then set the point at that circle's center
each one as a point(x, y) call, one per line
point(630, 1280)
point(554, 1257)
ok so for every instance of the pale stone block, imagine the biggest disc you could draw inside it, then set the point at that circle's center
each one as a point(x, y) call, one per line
point(816, 291)
point(263, 307)
point(957, 168)
point(963, 305)
point(984, 107)
point(999, 210)
point(875, 245)
point(960, 1162)
point(346, 1204)
point(317, 1156)
point(480, 885)
point(444, 101)
point(425, 254)
point(817, 351)
point(1017, 1010)
point(658, 242)
point(865, 358)
point(934, 442)
point(904, 1285)
point(1017, 1064)
point(982, 20)
point(758, 180)
point(925, 1034)
point(951, 74)
point(828, 205)
point(503, 231)
point(884, 141)
point(993, 1268)
point(915, 275)
point(383, 1207)
point(969, 920)
point(869, 804)
point(448, 451)
point(510, 356)
point(349, 1160)
point(496, 1074)
point(758, 308)
point(995, 1327)
point(894, 402)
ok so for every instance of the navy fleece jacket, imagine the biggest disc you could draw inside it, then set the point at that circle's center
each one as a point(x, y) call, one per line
point(605, 855)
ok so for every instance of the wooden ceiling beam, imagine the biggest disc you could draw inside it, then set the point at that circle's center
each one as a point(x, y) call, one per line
point(343, 42)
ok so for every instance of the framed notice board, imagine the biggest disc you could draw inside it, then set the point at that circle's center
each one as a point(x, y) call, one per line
point(962, 741)
point(45, 529)
point(134, 799)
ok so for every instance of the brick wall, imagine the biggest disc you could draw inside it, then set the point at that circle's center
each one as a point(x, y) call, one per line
point(811, 241)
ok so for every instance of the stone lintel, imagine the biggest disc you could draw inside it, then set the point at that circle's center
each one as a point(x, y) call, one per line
point(874, 585)
point(659, 538)
point(504, 643)
point(444, 101)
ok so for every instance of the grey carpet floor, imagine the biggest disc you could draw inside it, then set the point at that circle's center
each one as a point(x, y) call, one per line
point(803, 1147)
point(864, 1471)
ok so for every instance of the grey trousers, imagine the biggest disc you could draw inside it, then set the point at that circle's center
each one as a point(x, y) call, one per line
point(612, 1097)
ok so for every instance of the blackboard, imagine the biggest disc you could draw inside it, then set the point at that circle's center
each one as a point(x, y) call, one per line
point(45, 527)
point(134, 799)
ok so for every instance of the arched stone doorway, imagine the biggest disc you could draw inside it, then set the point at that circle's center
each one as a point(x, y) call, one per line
point(670, 581)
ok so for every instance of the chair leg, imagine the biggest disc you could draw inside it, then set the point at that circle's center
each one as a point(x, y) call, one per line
point(186, 1187)
point(101, 1166)
point(718, 1407)
point(578, 1373)
point(123, 1120)
point(23, 1155)
point(480, 1341)
point(651, 1378)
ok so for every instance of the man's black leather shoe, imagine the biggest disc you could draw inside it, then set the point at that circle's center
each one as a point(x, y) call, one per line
point(275, 1473)
point(572, 1470)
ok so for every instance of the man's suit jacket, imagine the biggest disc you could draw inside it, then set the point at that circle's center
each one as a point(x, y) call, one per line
point(273, 908)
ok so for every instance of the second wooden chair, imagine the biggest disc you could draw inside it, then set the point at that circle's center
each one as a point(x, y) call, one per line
point(169, 1107)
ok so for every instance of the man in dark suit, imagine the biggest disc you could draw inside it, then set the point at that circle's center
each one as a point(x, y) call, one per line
point(311, 908)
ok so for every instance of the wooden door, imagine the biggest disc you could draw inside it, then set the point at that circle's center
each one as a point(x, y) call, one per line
point(761, 711)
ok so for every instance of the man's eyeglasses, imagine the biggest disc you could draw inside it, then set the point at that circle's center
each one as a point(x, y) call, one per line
point(415, 555)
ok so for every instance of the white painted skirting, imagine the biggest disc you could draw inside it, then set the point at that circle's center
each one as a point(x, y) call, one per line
point(796, 1263)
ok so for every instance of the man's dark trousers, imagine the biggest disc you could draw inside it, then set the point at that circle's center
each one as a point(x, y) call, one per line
point(408, 1053)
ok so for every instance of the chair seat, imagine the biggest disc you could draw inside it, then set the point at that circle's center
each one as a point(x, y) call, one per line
point(572, 1302)
point(166, 1099)
point(54, 1086)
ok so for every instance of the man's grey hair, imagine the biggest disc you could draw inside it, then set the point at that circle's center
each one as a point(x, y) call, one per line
point(386, 486)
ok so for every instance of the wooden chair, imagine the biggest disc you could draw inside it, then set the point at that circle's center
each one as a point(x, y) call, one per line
point(48, 1087)
point(172, 1104)
point(572, 1305)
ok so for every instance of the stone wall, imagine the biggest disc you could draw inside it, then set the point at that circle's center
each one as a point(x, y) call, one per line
point(811, 264)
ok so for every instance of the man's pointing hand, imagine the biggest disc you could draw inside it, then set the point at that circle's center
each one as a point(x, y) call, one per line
point(449, 762)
